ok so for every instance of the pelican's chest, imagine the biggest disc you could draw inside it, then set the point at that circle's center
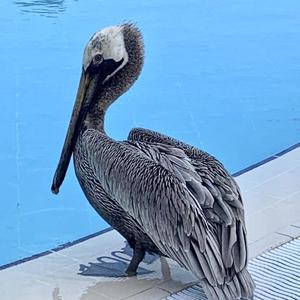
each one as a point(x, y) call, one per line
point(80, 157)
point(84, 172)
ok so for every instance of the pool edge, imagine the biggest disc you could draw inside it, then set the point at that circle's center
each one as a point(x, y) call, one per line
point(85, 238)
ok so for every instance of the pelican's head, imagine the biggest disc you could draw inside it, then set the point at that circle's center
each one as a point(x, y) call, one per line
point(112, 61)
point(106, 52)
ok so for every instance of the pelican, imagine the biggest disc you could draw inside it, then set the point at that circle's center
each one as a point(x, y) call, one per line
point(162, 195)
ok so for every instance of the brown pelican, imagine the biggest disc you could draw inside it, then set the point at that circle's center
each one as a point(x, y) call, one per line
point(162, 195)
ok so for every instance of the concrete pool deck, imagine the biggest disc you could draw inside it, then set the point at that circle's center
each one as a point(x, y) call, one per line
point(87, 270)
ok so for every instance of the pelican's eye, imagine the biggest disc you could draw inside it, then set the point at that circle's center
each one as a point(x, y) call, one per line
point(98, 58)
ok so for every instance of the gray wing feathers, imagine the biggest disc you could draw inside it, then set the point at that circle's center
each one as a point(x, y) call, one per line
point(223, 200)
point(241, 286)
point(220, 199)
point(179, 206)
point(147, 186)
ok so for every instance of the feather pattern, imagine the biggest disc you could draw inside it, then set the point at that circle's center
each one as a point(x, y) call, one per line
point(162, 189)
point(219, 197)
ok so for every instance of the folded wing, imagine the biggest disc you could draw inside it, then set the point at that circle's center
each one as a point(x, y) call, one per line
point(181, 209)
point(225, 209)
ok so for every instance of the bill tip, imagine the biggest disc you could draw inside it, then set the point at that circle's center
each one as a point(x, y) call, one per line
point(54, 189)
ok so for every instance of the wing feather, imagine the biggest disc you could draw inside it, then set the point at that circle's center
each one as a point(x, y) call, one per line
point(150, 183)
point(217, 193)
point(185, 202)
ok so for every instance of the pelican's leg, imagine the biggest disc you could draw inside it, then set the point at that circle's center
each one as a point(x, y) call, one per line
point(165, 269)
point(138, 255)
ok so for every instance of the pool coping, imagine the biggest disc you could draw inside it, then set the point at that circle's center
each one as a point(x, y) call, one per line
point(85, 238)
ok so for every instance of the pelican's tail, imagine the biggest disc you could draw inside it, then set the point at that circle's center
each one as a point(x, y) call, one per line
point(240, 287)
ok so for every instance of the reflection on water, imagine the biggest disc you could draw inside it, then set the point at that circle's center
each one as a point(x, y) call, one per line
point(46, 8)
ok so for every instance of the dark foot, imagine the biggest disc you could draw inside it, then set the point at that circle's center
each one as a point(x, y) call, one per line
point(138, 255)
point(129, 273)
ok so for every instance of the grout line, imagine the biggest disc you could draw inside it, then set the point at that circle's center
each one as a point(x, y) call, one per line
point(284, 234)
point(270, 179)
point(162, 289)
point(138, 293)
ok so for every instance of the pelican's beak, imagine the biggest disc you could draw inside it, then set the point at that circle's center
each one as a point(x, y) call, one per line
point(79, 111)
point(87, 87)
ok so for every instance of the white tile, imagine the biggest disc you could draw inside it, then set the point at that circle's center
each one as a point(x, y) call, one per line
point(42, 266)
point(89, 296)
point(296, 223)
point(179, 278)
point(72, 286)
point(272, 218)
point(268, 242)
point(291, 231)
point(245, 184)
point(255, 201)
point(111, 287)
point(17, 285)
point(121, 288)
point(95, 247)
point(260, 224)
point(273, 168)
point(282, 186)
point(153, 294)
point(288, 210)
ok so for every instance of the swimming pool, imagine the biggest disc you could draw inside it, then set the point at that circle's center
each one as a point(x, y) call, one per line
point(224, 77)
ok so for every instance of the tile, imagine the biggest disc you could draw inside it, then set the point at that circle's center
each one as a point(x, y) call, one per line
point(71, 285)
point(153, 294)
point(288, 209)
point(123, 288)
point(90, 296)
point(260, 224)
point(296, 223)
point(270, 241)
point(42, 266)
point(95, 247)
point(72, 292)
point(21, 286)
point(291, 231)
point(173, 286)
point(255, 201)
point(272, 218)
point(111, 287)
point(268, 171)
point(245, 184)
point(282, 186)
point(178, 279)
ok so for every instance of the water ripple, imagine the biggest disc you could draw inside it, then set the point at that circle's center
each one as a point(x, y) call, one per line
point(45, 8)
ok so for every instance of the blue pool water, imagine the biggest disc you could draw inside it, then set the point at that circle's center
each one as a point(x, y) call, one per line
point(223, 76)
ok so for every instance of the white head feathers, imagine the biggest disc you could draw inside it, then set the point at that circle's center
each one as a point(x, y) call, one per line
point(109, 42)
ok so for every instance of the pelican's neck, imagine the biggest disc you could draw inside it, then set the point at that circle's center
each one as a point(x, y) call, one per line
point(95, 119)
point(120, 82)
